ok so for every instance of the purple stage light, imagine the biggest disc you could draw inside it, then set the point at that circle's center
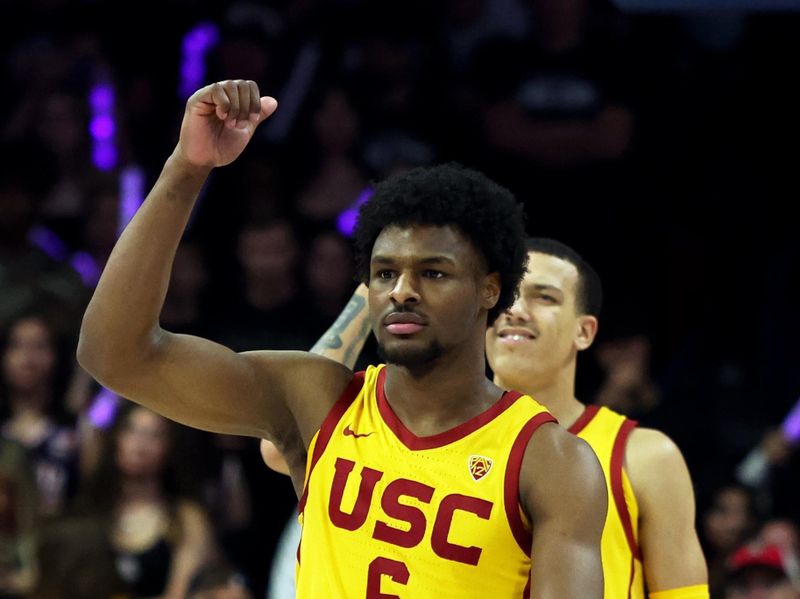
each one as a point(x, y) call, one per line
point(196, 43)
point(101, 98)
point(104, 156)
point(103, 409)
point(791, 424)
point(48, 242)
point(102, 126)
point(131, 195)
point(346, 221)
point(86, 267)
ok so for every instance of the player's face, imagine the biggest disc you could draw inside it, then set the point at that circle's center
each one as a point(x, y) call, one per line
point(537, 339)
point(428, 290)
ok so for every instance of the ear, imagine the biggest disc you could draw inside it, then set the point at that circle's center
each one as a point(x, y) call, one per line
point(490, 292)
point(587, 330)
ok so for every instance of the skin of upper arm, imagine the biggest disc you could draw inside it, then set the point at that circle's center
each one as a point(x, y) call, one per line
point(200, 383)
point(342, 343)
point(563, 491)
point(672, 556)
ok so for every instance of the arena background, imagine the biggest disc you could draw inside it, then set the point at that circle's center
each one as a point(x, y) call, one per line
point(660, 143)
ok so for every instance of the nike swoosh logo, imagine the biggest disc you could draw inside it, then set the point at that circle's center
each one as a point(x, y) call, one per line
point(349, 433)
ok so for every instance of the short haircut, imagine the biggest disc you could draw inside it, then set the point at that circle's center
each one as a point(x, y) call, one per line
point(486, 213)
point(589, 291)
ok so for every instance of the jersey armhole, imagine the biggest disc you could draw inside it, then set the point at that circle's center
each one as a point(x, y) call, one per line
point(321, 438)
point(617, 490)
point(520, 529)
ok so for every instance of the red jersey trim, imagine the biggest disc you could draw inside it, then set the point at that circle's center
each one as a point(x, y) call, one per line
point(329, 424)
point(589, 412)
point(413, 442)
point(617, 461)
point(511, 484)
point(632, 576)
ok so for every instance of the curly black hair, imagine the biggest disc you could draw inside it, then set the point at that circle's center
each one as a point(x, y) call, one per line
point(450, 194)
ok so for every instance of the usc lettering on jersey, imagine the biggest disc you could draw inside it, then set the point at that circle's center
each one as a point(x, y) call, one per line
point(387, 514)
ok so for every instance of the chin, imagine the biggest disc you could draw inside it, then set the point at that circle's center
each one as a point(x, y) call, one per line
point(402, 354)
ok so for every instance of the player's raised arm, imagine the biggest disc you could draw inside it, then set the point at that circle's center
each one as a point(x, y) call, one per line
point(564, 493)
point(189, 379)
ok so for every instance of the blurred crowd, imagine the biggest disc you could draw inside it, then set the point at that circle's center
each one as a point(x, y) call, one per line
point(649, 142)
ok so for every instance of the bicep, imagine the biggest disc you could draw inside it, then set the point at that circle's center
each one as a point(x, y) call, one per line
point(672, 554)
point(202, 384)
point(565, 495)
point(205, 385)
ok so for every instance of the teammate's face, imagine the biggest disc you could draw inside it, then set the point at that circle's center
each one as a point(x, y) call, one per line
point(428, 291)
point(537, 339)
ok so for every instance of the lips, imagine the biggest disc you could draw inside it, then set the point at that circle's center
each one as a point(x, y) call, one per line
point(516, 334)
point(404, 323)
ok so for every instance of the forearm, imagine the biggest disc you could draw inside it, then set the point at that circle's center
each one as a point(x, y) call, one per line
point(343, 341)
point(121, 320)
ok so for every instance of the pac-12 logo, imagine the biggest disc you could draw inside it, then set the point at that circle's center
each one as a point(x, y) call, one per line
point(479, 466)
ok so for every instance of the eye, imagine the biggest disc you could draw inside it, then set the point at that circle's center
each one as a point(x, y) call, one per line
point(384, 274)
point(549, 299)
point(433, 274)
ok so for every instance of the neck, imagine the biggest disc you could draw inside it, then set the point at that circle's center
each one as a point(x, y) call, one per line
point(140, 489)
point(28, 404)
point(557, 394)
point(450, 392)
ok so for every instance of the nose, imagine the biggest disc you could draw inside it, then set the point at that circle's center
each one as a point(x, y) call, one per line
point(517, 312)
point(404, 290)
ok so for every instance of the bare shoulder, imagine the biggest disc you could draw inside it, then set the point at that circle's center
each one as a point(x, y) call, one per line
point(560, 466)
point(649, 449)
point(311, 384)
point(654, 464)
point(553, 445)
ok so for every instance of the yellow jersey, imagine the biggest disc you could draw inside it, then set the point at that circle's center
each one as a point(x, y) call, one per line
point(389, 515)
point(607, 432)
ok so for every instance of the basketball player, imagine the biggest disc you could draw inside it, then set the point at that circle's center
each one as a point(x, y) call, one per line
point(421, 478)
point(649, 536)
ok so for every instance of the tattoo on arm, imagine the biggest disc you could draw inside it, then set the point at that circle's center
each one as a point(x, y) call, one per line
point(352, 351)
point(332, 338)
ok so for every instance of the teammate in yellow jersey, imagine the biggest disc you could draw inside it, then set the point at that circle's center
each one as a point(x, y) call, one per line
point(649, 540)
point(407, 491)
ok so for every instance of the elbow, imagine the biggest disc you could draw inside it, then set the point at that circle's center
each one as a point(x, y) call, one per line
point(87, 355)
point(107, 355)
point(93, 357)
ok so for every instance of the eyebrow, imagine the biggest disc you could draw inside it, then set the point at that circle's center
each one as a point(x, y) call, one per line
point(543, 287)
point(428, 260)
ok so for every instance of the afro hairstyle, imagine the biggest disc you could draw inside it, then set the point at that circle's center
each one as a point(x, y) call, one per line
point(486, 213)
